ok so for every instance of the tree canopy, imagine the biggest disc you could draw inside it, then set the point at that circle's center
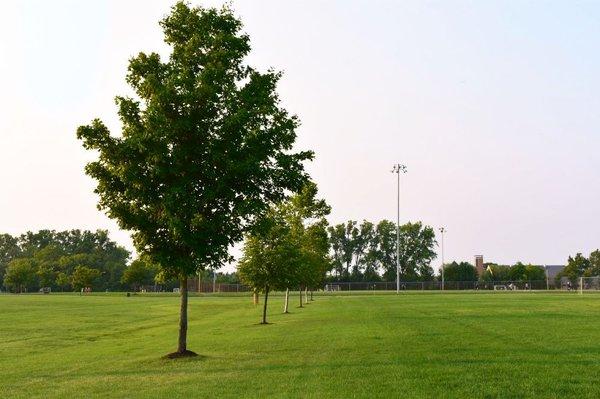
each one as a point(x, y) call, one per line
point(140, 272)
point(365, 252)
point(289, 247)
point(463, 271)
point(578, 266)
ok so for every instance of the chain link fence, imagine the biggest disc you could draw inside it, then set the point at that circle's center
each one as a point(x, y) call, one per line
point(437, 285)
point(382, 286)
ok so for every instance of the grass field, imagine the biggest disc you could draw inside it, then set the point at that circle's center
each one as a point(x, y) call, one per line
point(412, 345)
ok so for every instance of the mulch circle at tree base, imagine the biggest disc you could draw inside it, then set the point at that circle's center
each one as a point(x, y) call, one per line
point(178, 355)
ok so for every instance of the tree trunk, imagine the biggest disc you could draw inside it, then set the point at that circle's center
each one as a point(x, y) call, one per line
point(183, 319)
point(311, 295)
point(300, 291)
point(264, 321)
point(255, 297)
point(287, 300)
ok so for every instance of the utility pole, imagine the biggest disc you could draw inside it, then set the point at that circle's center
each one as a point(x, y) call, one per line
point(443, 230)
point(397, 169)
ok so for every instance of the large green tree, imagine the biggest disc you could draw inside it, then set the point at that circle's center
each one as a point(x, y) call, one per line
point(205, 148)
point(523, 273)
point(360, 252)
point(362, 238)
point(84, 277)
point(463, 271)
point(535, 272)
point(140, 272)
point(341, 238)
point(47, 262)
point(21, 274)
point(494, 272)
point(575, 268)
point(384, 249)
point(417, 251)
point(9, 250)
point(593, 269)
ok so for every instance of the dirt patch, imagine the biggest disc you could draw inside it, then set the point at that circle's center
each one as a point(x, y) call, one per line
point(180, 355)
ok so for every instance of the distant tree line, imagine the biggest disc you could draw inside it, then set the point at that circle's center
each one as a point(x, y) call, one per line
point(61, 260)
point(518, 272)
point(74, 259)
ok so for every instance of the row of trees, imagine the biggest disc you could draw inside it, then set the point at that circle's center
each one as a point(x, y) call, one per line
point(519, 272)
point(577, 266)
point(288, 248)
point(61, 260)
point(367, 251)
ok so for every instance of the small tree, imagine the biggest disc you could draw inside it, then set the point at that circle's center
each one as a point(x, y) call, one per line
point(315, 249)
point(494, 272)
point(63, 280)
point(518, 272)
point(84, 276)
point(290, 246)
point(9, 250)
point(270, 258)
point(576, 267)
point(140, 272)
point(535, 273)
point(417, 250)
point(47, 260)
point(205, 149)
point(21, 274)
point(305, 214)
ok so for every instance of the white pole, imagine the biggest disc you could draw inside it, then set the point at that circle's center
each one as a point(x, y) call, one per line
point(397, 169)
point(581, 285)
point(443, 230)
point(398, 236)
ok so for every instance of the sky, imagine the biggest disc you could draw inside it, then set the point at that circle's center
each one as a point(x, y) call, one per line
point(492, 106)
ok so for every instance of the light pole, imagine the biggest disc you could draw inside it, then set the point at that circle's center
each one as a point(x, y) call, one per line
point(442, 230)
point(397, 169)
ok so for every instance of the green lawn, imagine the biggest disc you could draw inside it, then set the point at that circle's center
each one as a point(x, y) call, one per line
point(412, 345)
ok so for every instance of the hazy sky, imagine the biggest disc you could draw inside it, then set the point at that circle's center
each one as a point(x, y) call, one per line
point(493, 106)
